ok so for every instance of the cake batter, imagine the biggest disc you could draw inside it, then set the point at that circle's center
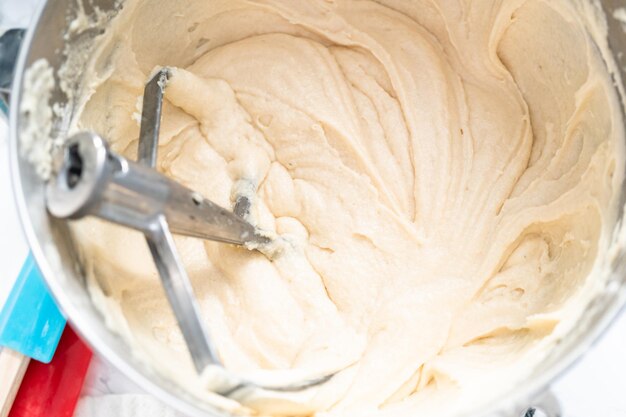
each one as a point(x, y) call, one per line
point(443, 176)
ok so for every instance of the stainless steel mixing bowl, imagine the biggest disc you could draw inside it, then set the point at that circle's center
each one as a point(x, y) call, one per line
point(57, 258)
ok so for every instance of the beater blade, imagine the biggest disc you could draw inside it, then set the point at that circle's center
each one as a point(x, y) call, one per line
point(92, 180)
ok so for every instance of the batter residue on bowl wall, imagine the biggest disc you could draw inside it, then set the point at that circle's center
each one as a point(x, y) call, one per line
point(445, 174)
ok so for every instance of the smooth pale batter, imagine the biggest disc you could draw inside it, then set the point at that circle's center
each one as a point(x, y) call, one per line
point(442, 175)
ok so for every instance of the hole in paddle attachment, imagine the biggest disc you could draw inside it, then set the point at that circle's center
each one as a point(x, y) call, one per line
point(74, 163)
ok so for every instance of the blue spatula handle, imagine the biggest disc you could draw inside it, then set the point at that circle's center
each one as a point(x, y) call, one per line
point(30, 321)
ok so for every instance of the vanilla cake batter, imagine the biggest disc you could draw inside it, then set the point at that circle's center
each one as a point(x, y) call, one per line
point(443, 176)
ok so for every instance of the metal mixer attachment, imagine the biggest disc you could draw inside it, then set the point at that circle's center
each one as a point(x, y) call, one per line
point(91, 180)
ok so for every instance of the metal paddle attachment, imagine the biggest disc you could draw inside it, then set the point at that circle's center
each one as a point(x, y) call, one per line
point(94, 181)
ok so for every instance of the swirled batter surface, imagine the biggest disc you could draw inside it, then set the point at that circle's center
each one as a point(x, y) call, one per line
point(443, 175)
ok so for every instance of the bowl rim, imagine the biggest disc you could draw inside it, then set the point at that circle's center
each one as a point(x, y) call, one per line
point(518, 397)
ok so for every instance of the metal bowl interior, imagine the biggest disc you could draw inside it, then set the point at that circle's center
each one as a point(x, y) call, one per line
point(52, 245)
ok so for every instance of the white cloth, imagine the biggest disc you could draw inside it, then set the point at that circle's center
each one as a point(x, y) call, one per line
point(109, 393)
point(123, 405)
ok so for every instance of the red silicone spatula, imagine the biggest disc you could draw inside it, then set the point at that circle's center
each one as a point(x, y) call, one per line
point(52, 390)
